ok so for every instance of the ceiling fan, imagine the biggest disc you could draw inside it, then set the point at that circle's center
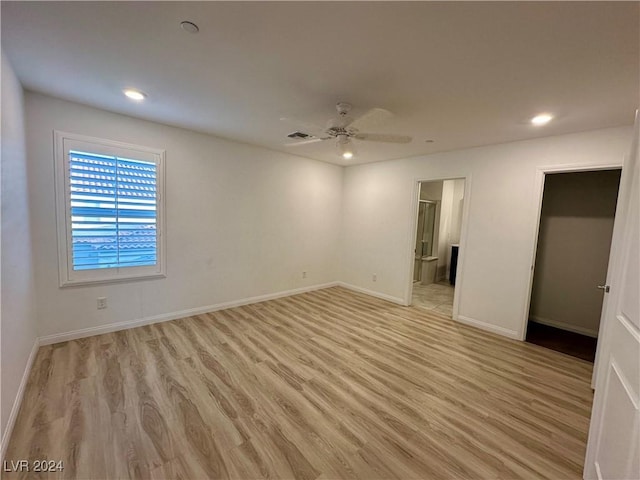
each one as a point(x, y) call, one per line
point(344, 129)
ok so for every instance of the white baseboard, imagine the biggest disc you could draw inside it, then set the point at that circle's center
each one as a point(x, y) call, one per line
point(565, 326)
point(17, 402)
point(372, 293)
point(114, 327)
point(505, 332)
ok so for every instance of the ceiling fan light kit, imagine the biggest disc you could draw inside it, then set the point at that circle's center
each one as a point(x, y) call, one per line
point(345, 147)
point(344, 129)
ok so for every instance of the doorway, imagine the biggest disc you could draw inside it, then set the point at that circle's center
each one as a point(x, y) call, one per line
point(574, 241)
point(437, 238)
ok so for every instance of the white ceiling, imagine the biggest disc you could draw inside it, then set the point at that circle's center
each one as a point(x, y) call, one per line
point(462, 74)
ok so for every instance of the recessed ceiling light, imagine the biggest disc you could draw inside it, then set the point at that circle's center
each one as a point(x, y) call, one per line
point(542, 119)
point(347, 155)
point(189, 27)
point(134, 94)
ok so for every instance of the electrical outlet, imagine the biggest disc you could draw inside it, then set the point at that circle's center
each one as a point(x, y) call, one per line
point(374, 277)
point(102, 303)
point(304, 274)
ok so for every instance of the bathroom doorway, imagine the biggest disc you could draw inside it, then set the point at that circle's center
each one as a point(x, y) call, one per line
point(574, 241)
point(436, 249)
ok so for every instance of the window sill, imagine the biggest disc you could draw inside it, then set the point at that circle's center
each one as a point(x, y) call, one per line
point(100, 281)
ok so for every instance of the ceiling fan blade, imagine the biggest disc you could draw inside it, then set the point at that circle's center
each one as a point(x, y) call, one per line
point(383, 137)
point(372, 118)
point(305, 142)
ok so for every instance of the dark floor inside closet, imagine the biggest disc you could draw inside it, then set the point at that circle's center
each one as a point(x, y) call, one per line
point(573, 344)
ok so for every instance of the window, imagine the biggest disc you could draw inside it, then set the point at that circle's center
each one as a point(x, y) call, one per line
point(109, 198)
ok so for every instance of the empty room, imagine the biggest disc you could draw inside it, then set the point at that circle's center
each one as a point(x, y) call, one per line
point(313, 240)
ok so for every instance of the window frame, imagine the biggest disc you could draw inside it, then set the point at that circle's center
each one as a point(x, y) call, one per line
point(63, 143)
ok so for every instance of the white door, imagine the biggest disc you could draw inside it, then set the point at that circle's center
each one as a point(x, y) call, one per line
point(613, 449)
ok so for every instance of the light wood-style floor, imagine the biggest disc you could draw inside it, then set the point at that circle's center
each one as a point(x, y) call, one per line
point(434, 296)
point(325, 385)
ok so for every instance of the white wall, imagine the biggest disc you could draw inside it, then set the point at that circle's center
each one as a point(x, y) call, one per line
point(576, 225)
point(496, 255)
point(456, 210)
point(241, 221)
point(18, 329)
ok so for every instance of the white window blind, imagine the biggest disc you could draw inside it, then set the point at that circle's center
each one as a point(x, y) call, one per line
point(113, 211)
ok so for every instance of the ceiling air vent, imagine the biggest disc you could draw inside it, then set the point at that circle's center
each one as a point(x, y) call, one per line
point(299, 135)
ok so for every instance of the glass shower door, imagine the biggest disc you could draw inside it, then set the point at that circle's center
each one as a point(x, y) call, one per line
point(424, 235)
